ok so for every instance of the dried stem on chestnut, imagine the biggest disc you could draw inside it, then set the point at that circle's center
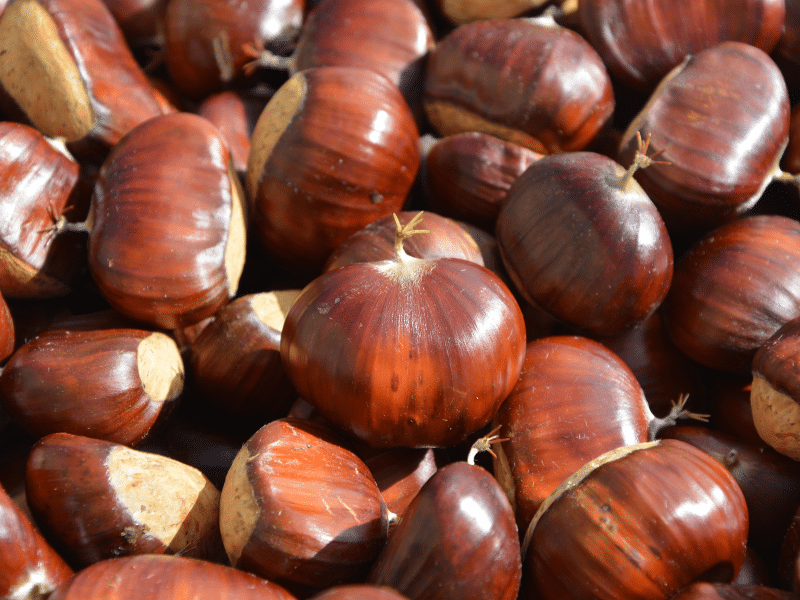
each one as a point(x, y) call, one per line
point(641, 160)
point(484, 444)
point(678, 411)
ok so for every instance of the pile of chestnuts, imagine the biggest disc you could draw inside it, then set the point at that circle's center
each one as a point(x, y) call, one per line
point(399, 299)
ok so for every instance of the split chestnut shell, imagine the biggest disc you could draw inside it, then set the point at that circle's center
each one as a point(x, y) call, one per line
point(405, 352)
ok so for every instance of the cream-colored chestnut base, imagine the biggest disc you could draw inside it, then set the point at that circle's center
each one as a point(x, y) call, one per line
point(237, 234)
point(271, 308)
point(238, 509)
point(160, 367)
point(273, 121)
point(575, 479)
point(776, 417)
point(39, 73)
point(173, 502)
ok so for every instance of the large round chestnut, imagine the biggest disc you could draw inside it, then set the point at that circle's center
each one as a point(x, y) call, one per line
point(581, 239)
point(334, 149)
point(640, 42)
point(720, 122)
point(406, 351)
point(640, 522)
point(734, 289)
point(529, 82)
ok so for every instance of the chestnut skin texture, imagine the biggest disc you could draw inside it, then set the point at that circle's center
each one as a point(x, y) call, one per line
point(641, 42)
point(591, 251)
point(30, 564)
point(163, 577)
point(724, 591)
point(734, 289)
point(359, 591)
point(405, 352)
point(457, 540)
point(555, 102)
point(640, 527)
point(720, 122)
point(557, 417)
point(164, 209)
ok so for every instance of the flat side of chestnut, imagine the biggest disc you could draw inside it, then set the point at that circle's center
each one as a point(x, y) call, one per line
point(39, 72)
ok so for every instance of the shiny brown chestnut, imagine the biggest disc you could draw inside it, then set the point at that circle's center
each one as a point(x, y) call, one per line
point(66, 66)
point(141, 22)
point(556, 103)
point(457, 540)
point(167, 224)
point(734, 289)
point(108, 383)
point(204, 40)
point(97, 500)
point(467, 11)
point(641, 43)
point(236, 362)
point(41, 189)
point(640, 522)
point(556, 418)
point(359, 591)
point(334, 149)
point(166, 577)
point(447, 239)
point(775, 393)
point(582, 240)
point(719, 122)
point(7, 330)
point(725, 591)
point(406, 351)
point(469, 175)
point(31, 567)
point(390, 37)
point(300, 508)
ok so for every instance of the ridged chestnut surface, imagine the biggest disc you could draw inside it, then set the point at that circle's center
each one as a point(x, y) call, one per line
point(40, 185)
point(160, 577)
point(720, 122)
point(112, 384)
point(299, 507)
point(574, 401)
point(640, 42)
point(469, 175)
point(66, 65)
point(734, 289)
point(99, 500)
point(642, 522)
point(375, 242)
point(405, 352)
point(457, 540)
point(31, 567)
point(167, 223)
point(334, 149)
point(481, 77)
point(585, 243)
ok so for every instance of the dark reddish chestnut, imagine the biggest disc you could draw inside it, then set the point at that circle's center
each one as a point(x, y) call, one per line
point(31, 567)
point(406, 351)
point(65, 64)
point(7, 330)
point(734, 289)
point(205, 39)
point(726, 591)
point(557, 102)
point(299, 507)
point(447, 239)
point(467, 11)
point(334, 149)
point(167, 223)
point(119, 501)
point(457, 540)
point(141, 22)
point(719, 122)
point(731, 413)
point(469, 175)
point(640, 522)
point(640, 43)
point(108, 383)
point(164, 577)
point(581, 239)
point(359, 591)
point(556, 418)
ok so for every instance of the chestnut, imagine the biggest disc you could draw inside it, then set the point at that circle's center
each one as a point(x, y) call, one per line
point(359, 591)
point(98, 500)
point(725, 591)
point(641, 522)
point(555, 103)
point(167, 224)
point(334, 149)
